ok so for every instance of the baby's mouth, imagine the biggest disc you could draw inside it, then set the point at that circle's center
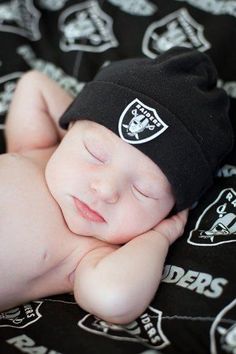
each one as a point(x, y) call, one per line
point(87, 213)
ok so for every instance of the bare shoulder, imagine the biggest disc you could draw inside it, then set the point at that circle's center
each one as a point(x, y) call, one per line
point(23, 191)
point(28, 211)
point(31, 159)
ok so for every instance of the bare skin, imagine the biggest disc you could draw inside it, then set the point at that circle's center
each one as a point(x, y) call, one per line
point(48, 247)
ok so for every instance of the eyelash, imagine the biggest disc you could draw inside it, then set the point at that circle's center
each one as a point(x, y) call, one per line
point(93, 155)
point(141, 193)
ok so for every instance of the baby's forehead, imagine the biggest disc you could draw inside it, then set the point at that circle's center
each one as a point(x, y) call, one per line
point(99, 131)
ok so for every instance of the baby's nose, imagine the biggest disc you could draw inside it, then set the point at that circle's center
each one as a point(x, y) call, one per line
point(106, 189)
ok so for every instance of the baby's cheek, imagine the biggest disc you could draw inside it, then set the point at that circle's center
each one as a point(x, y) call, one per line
point(135, 220)
point(55, 169)
point(144, 217)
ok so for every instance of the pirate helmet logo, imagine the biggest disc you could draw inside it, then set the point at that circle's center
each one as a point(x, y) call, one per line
point(223, 331)
point(146, 329)
point(176, 29)
point(217, 223)
point(86, 27)
point(140, 123)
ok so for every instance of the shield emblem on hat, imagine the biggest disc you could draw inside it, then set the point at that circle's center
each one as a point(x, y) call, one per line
point(140, 123)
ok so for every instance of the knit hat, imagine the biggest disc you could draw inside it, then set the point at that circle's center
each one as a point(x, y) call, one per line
point(170, 109)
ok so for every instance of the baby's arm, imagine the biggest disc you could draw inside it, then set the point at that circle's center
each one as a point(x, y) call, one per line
point(117, 284)
point(36, 107)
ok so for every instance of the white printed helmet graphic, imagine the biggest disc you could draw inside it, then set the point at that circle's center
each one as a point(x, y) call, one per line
point(221, 217)
point(222, 226)
point(223, 331)
point(140, 123)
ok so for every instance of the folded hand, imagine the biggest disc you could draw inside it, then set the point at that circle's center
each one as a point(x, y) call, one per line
point(173, 227)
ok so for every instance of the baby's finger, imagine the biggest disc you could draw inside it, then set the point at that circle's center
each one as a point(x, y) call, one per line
point(173, 227)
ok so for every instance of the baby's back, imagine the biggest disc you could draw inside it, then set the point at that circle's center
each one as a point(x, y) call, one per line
point(38, 252)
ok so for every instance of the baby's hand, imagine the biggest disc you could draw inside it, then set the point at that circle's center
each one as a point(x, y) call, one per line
point(173, 227)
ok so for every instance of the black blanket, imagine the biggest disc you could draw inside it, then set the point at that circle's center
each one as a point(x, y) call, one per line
point(194, 310)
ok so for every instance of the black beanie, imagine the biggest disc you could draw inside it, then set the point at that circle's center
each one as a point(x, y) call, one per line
point(170, 109)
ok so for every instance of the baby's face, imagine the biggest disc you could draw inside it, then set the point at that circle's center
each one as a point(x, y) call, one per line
point(105, 187)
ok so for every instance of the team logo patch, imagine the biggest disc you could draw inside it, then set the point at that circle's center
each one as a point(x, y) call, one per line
point(20, 17)
point(176, 29)
point(146, 329)
point(86, 27)
point(221, 216)
point(22, 316)
point(140, 123)
point(223, 331)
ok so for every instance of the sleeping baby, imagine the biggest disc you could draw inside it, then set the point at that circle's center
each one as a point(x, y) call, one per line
point(94, 209)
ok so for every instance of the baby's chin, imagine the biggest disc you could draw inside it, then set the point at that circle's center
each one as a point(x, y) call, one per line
point(83, 228)
point(118, 238)
point(106, 236)
point(100, 231)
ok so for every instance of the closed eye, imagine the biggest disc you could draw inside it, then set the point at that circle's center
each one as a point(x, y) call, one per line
point(139, 192)
point(93, 154)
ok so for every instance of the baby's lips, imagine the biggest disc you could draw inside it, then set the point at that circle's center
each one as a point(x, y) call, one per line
point(87, 213)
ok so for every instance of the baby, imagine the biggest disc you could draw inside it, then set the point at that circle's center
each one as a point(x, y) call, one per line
point(83, 210)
